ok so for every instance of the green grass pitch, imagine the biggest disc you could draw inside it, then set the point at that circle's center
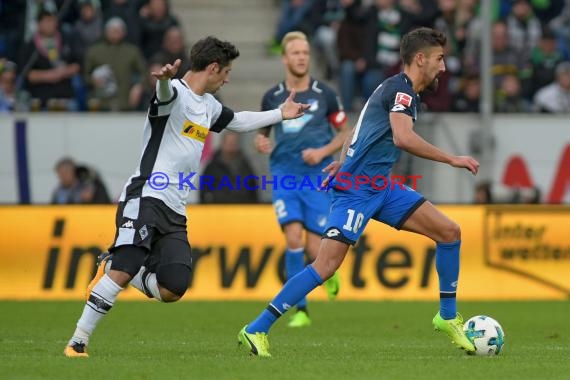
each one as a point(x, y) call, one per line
point(348, 340)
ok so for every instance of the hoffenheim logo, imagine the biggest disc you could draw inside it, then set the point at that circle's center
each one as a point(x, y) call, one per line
point(295, 125)
point(314, 105)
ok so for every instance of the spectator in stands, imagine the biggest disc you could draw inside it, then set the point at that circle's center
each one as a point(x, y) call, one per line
point(89, 27)
point(12, 22)
point(128, 11)
point(469, 95)
point(78, 184)
point(173, 48)
point(523, 27)
point(95, 191)
point(327, 16)
point(382, 37)
point(33, 8)
point(293, 16)
point(546, 10)
point(115, 71)
point(544, 58)
point(525, 195)
point(49, 63)
point(483, 193)
point(154, 24)
point(561, 27)
point(69, 190)
point(417, 13)
point(7, 86)
point(454, 20)
point(230, 165)
point(555, 97)
point(351, 41)
point(506, 61)
point(531, 196)
point(509, 97)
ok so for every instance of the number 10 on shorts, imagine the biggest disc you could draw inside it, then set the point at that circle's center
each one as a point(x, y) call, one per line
point(352, 223)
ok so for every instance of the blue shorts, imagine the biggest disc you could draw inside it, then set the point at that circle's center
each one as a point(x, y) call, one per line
point(352, 209)
point(308, 207)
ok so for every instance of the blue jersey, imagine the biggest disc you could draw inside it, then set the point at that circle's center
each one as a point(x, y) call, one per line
point(312, 130)
point(372, 151)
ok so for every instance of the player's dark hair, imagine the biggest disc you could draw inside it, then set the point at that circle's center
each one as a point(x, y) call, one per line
point(209, 50)
point(419, 40)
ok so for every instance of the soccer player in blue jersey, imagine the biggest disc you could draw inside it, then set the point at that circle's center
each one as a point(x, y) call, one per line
point(384, 128)
point(303, 149)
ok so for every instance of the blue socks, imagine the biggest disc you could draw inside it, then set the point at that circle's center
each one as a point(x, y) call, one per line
point(293, 291)
point(294, 263)
point(447, 266)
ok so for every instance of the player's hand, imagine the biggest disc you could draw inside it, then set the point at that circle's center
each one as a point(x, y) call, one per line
point(262, 144)
point(292, 110)
point(167, 71)
point(312, 156)
point(331, 170)
point(466, 162)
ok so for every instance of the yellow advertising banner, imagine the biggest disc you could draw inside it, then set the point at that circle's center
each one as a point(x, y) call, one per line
point(49, 252)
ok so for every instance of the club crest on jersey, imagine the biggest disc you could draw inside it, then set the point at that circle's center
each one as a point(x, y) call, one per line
point(313, 105)
point(295, 125)
point(194, 131)
point(403, 99)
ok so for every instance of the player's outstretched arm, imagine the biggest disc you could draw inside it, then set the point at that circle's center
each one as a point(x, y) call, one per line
point(163, 86)
point(246, 121)
point(408, 140)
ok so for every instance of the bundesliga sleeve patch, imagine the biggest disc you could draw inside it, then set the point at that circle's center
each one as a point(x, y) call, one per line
point(403, 99)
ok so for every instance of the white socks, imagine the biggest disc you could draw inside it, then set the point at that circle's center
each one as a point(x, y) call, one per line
point(146, 282)
point(100, 301)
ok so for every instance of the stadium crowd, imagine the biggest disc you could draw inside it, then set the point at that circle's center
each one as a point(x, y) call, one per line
point(95, 55)
point(78, 55)
point(359, 43)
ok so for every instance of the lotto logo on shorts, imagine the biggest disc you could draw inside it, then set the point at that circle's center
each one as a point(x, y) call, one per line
point(194, 131)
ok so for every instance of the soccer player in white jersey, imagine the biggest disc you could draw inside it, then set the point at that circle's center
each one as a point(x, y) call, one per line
point(151, 249)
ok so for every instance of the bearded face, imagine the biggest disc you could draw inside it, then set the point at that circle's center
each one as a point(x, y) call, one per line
point(434, 66)
point(433, 86)
point(297, 57)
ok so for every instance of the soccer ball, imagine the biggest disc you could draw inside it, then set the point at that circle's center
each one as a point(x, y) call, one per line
point(486, 334)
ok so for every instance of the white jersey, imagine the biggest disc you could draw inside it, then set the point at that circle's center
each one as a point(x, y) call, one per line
point(173, 140)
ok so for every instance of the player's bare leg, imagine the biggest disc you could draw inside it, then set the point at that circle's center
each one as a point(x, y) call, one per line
point(429, 221)
point(330, 257)
point(254, 335)
point(332, 285)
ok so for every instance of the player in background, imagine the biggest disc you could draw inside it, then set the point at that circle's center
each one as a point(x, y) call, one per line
point(384, 128)
point(151, 249)
point(303, 148)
